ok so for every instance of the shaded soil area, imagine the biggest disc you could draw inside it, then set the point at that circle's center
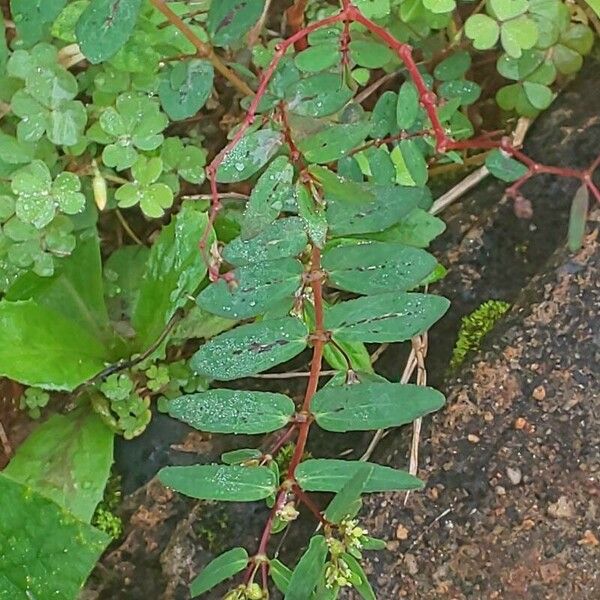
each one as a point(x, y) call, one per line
point(494, 536)
point(511, 508)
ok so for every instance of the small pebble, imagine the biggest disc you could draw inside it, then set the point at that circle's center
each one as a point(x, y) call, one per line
point(473, 438)
point(500, 490)
point(514, 475)
point(520, 423)
point(539, 393)
point(401, 532)
point(411, 563)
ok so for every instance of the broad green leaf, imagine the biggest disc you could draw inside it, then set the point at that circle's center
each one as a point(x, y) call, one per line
point(383, 118)
point(318, 95)
point(539, 95)
point(308, 570)
point(220, 482)
point(578, 217)
point(359, 582)
point(249, 155)
point(370, 543)
point(483, 30)
point(229, 20)
point(280, 574)
point(185, 88)
point(439, 6)
point(467, 92)
point(105, 26)
point(313, 215)
point(391, 317)
point(75, 290)
point(374, 9)
point(334, 141)
point(346, 500)
point(237, 457)
point(219, 569)
point(343, 354)
point(42, 348)
point(67, 459)
point(269, 197)
point(504, 167)
point(253, 289)
point(518, 34)
point(365, 406)
point(375, 267)
point(46, 551)
point(233, 411)
point(331, 475)
point(507, 9)
point(418, 229)
point(283, 238)
point(33, 18)
point(250, 349)
point(522, 67)
point(415, 162)
point(318, 58)
point(407, 108)
point(354, 208)
point(174, 271)
point(369, 54)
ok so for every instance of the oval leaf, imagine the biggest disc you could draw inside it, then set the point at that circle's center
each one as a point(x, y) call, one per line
point(251, 154)
point(104, 26)
point(365, 406)
point(388, 317)
point(220, 482)
point(318, 95)
point(229, 20)
point(578, 217)
point(375, 267)
point(347, 500)
point(219, 569)
point(334, 141)
point(233, 411)
point(504, 167)
point(250, 349)
point(308, 570)
point(331, 475)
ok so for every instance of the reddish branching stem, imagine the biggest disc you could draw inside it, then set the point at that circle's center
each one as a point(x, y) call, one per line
point(348, 14)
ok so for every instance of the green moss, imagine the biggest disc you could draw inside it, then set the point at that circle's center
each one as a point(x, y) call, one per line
point(474, 328)
point(105, 518)
point(212, 527)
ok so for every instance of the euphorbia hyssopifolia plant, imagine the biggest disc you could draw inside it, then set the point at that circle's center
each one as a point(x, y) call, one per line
point(318, 265)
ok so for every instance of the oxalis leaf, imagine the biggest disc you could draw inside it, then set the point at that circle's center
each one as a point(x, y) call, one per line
point(504, 167)
point(283, 238)
point(253, 290)
point(365, 406)
point(219, 569)
point(46, 551)
point(250, 349)
point(391, 317)
point(308, 570)
point(331, 475)
point(374, 267)
point(33, 17)
point(233, 411)
point(251, 153)
point(221, 482)
point(105, 26)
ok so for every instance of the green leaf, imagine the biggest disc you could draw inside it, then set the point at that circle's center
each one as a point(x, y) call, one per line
point(375, 267)
point(415, 162)
point(229, 20)
point(539, 95)
point(233, 411)
point(306, 575)
point(578, 218)
point(220, 482)
point(365, 406)
point(360, 583)
point(595, 6)
point(318, 58)
point(315, 221)
point(283, 238)
point(507, 9)
point(318, 95)
point(354, 208)
point(504, 167)
point(334, 141)
point(418, 229)
point(280, 574)
point(383, 118)
point(346, 500)
point(407, 108)
point(392, 317)
point(185, 88)
point(250, 349)
point(67, 459)
point(518, 34)
point(236, 457)
point(3, 45)
point(439, 6)
point(105, 26)
point(253, 289)
point(251, 153)
point(219, 569)
point(33, 17)
point(373, 9)
point(269, 196)
point(467, 92)
point(453, 67)
point(174, 271)
point(483, 30)
point(41, 348)
point(331, 475)
point(47, 552)
point(371, 55)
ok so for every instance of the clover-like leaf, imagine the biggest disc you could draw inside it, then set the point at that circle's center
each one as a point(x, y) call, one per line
point(483, 30)
point(518, 34)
